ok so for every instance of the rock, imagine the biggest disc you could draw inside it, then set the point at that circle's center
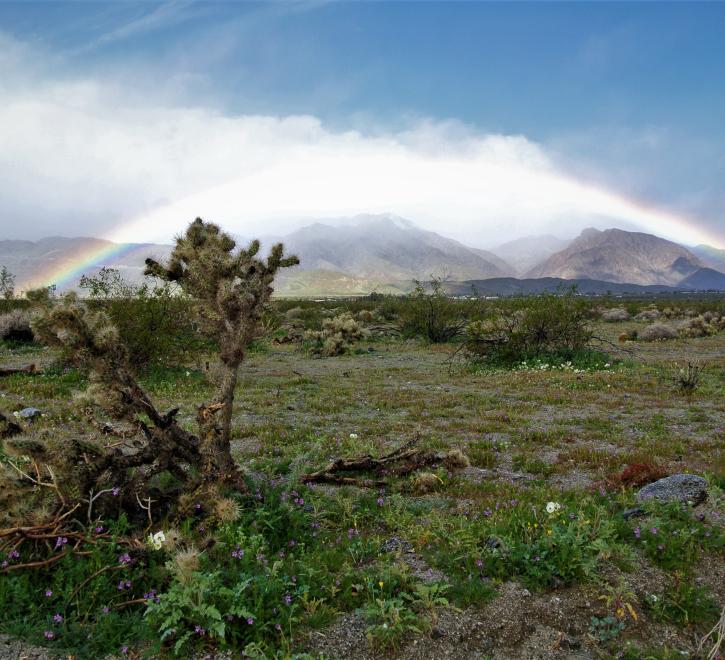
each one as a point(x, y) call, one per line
point(637, 512)
point(28, 413)
point(686, 488)
point(396, 544)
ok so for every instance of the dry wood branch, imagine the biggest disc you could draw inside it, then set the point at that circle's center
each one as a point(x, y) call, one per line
point(400, 462)
point(28, 369)
point(45, 562)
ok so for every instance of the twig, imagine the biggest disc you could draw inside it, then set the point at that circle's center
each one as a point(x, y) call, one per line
point(90, 577)
point(716, 637)
point(45, 562)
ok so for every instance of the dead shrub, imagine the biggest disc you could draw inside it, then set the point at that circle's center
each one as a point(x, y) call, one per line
point(657, 332)
point(15, 326)
point(637, 475)
point(648, 315)
point(615, 314)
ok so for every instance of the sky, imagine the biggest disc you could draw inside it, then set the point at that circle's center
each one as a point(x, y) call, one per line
point(482, 121)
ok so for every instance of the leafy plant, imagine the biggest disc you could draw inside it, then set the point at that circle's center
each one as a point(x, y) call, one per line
point(390, 622)
point(606, 628)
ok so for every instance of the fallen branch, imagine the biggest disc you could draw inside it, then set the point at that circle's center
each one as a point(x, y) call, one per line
point(45, 562)
point(9, 371)
point(398, 463)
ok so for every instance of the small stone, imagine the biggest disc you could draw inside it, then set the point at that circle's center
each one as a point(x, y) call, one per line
point(685, 488)
point(633, 513)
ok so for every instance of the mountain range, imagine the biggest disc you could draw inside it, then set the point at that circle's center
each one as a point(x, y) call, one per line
point(386, 253)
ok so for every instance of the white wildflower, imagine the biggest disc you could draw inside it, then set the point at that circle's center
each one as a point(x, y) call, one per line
point(156, 541)
point(353, 436)
point(553, 507)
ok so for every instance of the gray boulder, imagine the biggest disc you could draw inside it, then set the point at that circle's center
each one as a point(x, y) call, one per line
point(686, 488)
point(28, 413)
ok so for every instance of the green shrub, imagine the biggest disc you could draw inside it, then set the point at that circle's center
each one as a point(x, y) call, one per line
point(154, 320)
point(429, 313)
point(549, 326)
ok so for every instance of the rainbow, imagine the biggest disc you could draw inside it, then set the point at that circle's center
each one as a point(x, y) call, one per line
point(220, 203)
point(65, 272)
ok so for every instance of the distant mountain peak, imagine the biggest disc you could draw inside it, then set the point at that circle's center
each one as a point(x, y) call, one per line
point(616, 255)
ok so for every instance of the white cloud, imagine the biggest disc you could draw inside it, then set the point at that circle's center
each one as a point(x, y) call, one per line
point(92, 157)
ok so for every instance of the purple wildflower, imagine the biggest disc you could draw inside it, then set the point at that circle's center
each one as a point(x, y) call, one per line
point(106, 609)
point(99, 529)
point(60, 542)
point(57, 618)
point(653, 530)
point(487, 513)
point(13, 554)
point(125, 558)
point(250, 621)
point(381, 501)
point(287, 599)
point(199, 630)
point(49, 634)
point(115, 491)
point(637, 532)
point(48, 593)
point(124, 650)
point(278, 627)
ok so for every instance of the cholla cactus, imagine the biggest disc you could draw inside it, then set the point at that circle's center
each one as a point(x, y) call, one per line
point(232, 288)
point(336, 336)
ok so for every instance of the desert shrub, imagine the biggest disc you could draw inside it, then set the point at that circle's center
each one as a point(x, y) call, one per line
point(704, 325)
point(657, 332)
point(15, 326)
point(155, 321)
point(431, 314)
point(616, 314)
point(293, 313)
point(338, 334)
point(7, 284)
point(687, 379)
point(549, 326)
point(648, 315)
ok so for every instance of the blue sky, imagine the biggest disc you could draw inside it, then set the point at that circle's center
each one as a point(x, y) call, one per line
point(628, 96)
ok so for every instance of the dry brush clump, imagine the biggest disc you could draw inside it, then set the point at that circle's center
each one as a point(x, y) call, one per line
point(15, 326)
point(616, 314)
point(231, 287)
point(705, 325)
point(648, 315)
point(338, 334)
point(657, 332)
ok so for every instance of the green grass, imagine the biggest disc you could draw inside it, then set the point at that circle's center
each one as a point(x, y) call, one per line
point(540, 436)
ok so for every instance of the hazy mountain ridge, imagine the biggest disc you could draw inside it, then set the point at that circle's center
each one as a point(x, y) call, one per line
point(389, 248)
point(712, 257)
point(385, 253)
point(615, 255)
point(525, 253)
